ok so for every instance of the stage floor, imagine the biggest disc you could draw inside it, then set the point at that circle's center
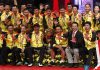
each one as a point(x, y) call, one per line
point(9, 67)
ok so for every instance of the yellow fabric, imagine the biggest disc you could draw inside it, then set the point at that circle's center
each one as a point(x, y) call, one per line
point(37, 40)
point(97, 26)
point(63, 42)
point(38, 20)
point(4, 15)
point(21, 41)
point(63, 21)
point(77, 18)
point(88, 43)
point(15, 18)
point(89, 17)
point(9, 40)
point(49, 21)
point(1, 40)
point(25, 19)
point(3, 18)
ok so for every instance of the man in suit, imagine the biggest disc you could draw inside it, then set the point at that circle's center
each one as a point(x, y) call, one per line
point(75, 42)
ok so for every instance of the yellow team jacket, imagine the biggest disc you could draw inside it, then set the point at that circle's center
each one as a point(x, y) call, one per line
point(37, 40)
point(88, 43)
point(63, 21)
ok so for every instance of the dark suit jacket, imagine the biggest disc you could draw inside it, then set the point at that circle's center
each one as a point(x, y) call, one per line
point(79, 40)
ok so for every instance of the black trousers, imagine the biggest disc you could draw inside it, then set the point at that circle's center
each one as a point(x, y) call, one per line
point(16, 54)
point(1, 59)
point(30, 51)
point(90, 53)
point(15, 57)
point(4, 54)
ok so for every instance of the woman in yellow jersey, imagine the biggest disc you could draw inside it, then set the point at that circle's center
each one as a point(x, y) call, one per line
point(88, 15)
point(97, 18)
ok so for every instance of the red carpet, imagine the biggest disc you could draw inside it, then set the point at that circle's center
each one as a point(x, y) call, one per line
point(9, 67)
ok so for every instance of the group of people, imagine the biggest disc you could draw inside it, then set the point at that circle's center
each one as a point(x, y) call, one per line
point(24, 32)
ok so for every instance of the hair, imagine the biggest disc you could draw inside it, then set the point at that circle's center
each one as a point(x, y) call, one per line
point(98, 31)
point(58, 26)
point(75, 23)
point(62, 8)
point(9, 25)
point(97, 5)
point(1, 4)
point(48, 8)
point(88, 4)
point(36, 25)
point(69, 4)
point(76, 6)
point(89, 23)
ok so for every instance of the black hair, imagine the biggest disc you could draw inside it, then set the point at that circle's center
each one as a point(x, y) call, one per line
point(58, 26)
point(89, 23)
point(98, 31)
point(88, 4)
point(36, 25)
point(75, 23)
point(76, 6)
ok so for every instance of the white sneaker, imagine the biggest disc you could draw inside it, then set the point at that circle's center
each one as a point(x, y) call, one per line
point(62, 61)
point(19, 63)
point(26, 63)
point(40, 65)
point(30, 64)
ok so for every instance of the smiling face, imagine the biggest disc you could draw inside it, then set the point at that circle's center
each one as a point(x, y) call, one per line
point(74, 27)
point(87, 7)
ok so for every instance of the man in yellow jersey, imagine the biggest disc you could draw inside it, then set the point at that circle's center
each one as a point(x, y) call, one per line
point(89, 37)
point(63, 20)
point(36, 44)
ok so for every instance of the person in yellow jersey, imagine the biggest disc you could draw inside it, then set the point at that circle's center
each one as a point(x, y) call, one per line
point(26, 17)
point(76, 17)
point(4, 16)
point(63, 20)
point(21, 43)
point(48, 19)
point(89, 37)
point(37, 18)
point(88, 15)
point(59, 43)
point(97, 17)
point(10, 38)
point(36, 44)
point(15, 16)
